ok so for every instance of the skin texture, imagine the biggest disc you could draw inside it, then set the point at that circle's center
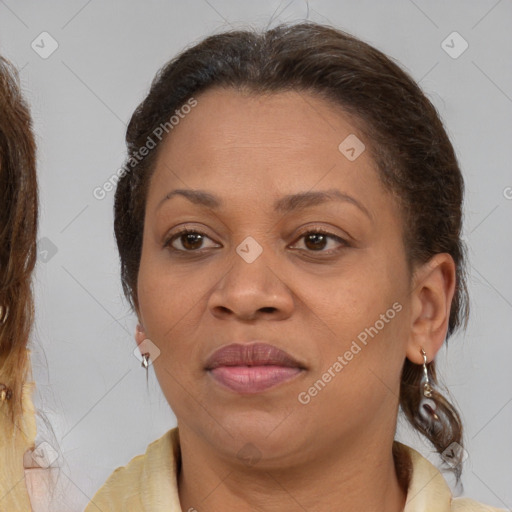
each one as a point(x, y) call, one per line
point(311, 300)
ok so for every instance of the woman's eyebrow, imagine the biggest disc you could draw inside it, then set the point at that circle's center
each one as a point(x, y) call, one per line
point(293, 202)
point(285, 204)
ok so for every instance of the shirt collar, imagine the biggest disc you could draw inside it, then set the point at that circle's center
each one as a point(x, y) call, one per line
point(427, 488)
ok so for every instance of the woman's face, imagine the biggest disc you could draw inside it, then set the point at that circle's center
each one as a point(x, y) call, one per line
point(337, 303)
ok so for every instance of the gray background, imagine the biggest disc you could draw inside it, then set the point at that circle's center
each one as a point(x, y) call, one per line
point(90, 385)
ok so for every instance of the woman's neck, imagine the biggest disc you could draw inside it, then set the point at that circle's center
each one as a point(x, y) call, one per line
point(374, 479)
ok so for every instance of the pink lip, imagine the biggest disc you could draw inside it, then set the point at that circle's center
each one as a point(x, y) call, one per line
point(251, 368)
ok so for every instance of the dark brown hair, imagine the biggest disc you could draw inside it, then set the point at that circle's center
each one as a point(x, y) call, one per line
point(18, 231)
point(406, 137)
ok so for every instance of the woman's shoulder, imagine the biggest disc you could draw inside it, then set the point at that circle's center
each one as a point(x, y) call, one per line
point(428, 490)
point(143, 480)
point(469, 505)
point(121, 489)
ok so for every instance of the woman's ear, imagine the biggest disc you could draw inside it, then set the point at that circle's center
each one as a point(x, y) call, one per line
point(140, 333)
point(145, 345)
point(432, 292)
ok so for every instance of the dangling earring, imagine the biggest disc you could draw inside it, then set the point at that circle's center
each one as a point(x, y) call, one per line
point(145, 363)
point(427, 388)
point(427, 406)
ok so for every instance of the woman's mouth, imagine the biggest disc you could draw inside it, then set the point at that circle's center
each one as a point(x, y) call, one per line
point(252, 368)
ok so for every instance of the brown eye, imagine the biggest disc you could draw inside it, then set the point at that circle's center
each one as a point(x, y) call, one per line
point(318, 240)
point(315, 241)
point(189, 239)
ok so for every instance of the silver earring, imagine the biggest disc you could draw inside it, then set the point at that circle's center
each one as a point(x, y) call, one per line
point(427, 388)
point(145, 363)
point(427, 406)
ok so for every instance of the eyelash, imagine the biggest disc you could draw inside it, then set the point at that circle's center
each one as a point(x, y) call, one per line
point(320, 231)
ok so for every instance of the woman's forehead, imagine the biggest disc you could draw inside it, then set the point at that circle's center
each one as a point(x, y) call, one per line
point(226, 119)
point(277, 139)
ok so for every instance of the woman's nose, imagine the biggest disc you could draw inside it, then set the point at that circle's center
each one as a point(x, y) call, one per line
point(251, 288)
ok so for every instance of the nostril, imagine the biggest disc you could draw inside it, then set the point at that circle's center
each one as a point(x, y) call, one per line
point(268, 309)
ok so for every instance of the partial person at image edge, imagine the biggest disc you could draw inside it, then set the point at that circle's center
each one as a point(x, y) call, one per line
point(24, 484)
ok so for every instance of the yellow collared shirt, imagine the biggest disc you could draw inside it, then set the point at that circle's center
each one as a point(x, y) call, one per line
point(15, 440)
point(149, 483)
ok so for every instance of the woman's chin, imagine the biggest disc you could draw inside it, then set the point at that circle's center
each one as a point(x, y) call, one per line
point(251, 437)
